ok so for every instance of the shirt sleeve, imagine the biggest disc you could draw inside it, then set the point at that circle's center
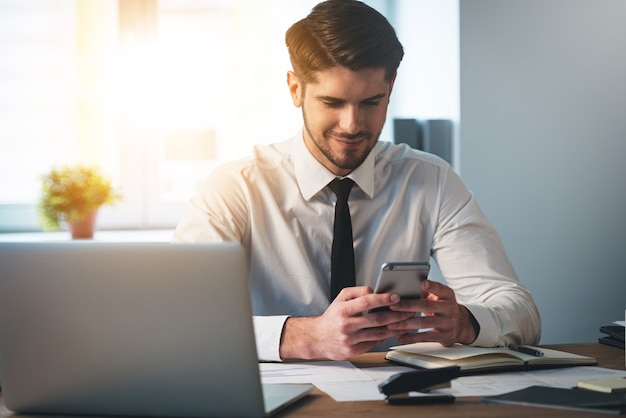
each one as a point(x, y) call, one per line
point(218, 213)
point(268, 331)
point(472, 259)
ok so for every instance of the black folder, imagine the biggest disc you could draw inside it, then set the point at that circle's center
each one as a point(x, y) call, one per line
point(572, 399)
point(614, 335)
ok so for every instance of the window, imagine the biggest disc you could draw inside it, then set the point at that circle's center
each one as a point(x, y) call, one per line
point(157, 92)
point(154, 93)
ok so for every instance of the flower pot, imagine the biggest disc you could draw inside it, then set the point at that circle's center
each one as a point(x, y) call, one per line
point(85, 228)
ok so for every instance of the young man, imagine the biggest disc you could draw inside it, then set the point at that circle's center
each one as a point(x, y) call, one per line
point(405, 205)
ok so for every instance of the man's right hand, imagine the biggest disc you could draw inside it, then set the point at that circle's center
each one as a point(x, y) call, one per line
point(343, 330)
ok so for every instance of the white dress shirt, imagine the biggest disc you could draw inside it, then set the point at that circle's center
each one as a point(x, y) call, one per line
point(407, 205)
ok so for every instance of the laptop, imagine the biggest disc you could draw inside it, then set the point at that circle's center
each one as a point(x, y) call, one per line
point(141, 329)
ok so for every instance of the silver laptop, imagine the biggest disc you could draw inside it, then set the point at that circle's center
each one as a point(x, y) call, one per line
point(143, 329)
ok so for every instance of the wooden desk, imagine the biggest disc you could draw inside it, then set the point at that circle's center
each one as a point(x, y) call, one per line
point(321, 405)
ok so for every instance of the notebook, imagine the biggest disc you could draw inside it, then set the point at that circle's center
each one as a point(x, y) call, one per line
point(143, 329)
point(481, 359)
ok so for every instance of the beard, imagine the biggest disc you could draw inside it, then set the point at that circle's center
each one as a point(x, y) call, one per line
point(349, 160)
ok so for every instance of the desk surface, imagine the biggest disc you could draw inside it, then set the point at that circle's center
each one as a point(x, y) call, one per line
point(319, 404)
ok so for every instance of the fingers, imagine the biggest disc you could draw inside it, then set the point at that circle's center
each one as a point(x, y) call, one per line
point(350, 341)
point(349, 293)
point(436, 288)
point(349, 327)
point(437, 298)
point(356, 303)
point(447, 331)
point(442, 317)
point(346, 329)
point(363, 299)
point(427, 336)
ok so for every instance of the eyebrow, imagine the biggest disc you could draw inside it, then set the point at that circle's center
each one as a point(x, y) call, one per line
point(337, 99)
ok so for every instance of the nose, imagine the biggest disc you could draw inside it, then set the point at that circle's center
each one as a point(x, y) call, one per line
point(349, 121)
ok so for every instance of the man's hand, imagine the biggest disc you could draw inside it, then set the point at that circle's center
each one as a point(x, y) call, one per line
point(447, 321)
point(345, 329)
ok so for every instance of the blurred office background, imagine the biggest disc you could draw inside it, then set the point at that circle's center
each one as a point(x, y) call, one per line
point(157, 92)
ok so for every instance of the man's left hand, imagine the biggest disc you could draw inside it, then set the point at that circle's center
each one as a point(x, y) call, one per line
point(444, 320)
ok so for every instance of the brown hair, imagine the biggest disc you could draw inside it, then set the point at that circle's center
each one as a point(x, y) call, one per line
point(346, 33)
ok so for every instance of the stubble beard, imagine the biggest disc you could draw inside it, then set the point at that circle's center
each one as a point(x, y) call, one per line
point(352, 158)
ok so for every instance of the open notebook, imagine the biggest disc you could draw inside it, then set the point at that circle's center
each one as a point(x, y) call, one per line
point(140, 329)
point(480, 359)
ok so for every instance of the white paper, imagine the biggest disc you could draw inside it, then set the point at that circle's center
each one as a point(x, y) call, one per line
point(352, 391)
point(385, 372)
point(499, 383)
point(311, 372)
point(344, 382)
point(364, 390)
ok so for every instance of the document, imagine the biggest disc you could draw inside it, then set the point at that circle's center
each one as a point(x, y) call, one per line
point(345, 382)
point(341, 380)
point(366, 390)
point(311, 372)
point(499, 383)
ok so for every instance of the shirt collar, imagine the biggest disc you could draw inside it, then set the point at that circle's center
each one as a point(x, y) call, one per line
point(312, 176)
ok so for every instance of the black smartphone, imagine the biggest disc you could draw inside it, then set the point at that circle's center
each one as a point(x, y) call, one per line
point(404, 278)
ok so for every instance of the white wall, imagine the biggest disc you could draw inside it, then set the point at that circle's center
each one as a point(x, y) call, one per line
point(427, 85)
point(543, 143)
point(428, 78)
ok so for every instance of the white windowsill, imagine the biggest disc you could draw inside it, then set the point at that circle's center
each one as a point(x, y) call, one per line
point(137, 235)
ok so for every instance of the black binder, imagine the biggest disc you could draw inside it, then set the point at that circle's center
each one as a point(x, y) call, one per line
point(614, 335)
point(559, 398)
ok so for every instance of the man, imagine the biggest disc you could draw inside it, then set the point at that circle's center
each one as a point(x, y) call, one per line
point(405, 205)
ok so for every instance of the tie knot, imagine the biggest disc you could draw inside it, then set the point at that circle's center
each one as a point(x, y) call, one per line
point(341, 188)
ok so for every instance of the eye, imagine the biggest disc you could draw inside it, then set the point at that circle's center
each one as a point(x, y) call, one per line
point(333, 104)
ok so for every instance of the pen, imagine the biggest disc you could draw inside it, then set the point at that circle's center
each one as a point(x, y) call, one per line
point(526, 350)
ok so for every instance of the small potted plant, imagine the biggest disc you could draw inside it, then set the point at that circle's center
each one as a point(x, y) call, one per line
point(73, 194)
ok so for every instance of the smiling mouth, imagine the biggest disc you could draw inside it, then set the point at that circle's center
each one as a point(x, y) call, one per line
point(350, 140)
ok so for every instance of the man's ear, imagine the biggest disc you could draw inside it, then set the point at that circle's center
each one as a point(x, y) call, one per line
point(295, 88)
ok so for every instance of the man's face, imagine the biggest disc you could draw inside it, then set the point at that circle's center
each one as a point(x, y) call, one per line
point(344, 112)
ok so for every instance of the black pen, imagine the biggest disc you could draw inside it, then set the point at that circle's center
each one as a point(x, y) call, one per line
point(526, 350)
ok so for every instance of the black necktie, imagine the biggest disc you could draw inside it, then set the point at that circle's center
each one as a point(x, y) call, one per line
point(342, 256)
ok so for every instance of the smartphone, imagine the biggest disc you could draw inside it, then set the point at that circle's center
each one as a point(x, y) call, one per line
point(404, 278)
